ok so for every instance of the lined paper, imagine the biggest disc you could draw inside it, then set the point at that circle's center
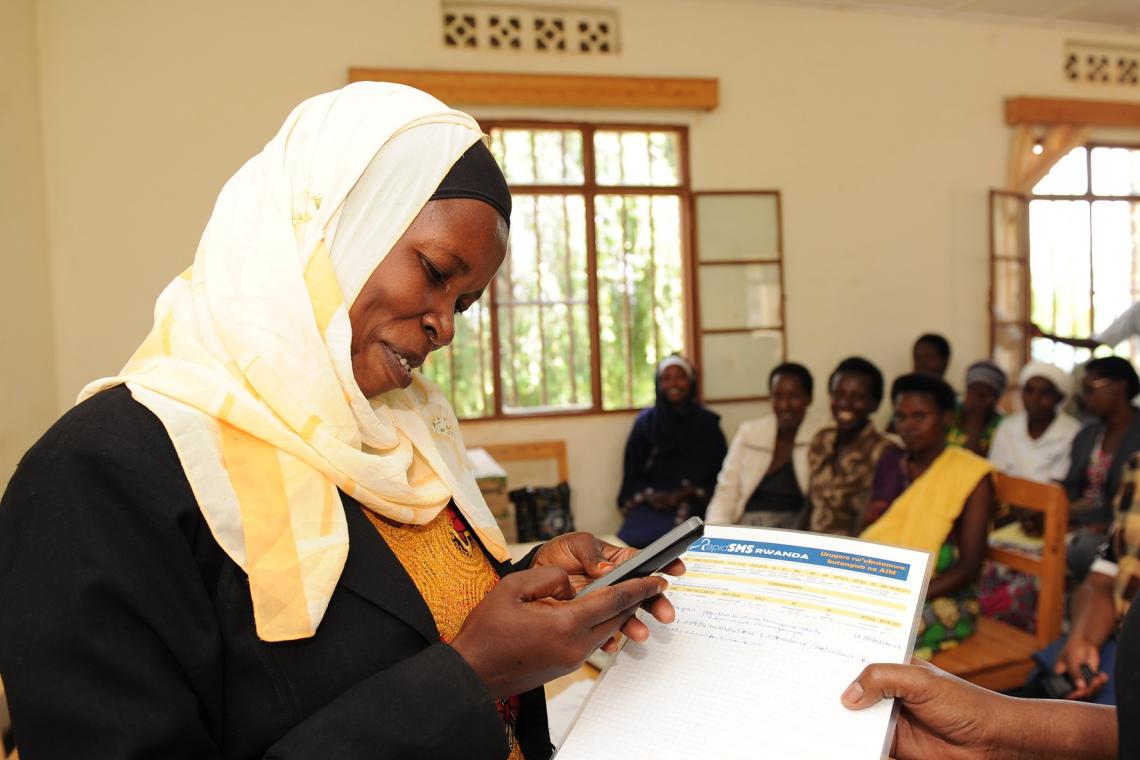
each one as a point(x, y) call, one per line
point(771, 627)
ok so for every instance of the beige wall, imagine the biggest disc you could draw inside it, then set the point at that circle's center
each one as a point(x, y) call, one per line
point(27, 382)
point(882, 132)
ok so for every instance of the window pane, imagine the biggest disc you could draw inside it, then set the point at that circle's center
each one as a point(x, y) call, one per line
point(463, 369)
point(637, 158)
point(740, 295)
point(1115, 171)
point(1007, 214)
point(737, 227)
point(542, 297)
point(1009, 348)
point(1112, 260)
point(1059, 261)
point(1009, 290)
point(547, 258)
point(640, 299)
point(736, 365)
point(539, 156)
point(1069, 176)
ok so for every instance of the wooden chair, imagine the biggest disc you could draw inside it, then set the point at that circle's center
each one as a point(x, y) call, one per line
point(535, 450)
point(998, 655)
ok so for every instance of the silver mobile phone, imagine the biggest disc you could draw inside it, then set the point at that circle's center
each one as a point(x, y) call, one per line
point(653, 557)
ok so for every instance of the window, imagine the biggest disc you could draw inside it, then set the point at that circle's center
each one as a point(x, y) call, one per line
point(593, 292)
point(1083, 254)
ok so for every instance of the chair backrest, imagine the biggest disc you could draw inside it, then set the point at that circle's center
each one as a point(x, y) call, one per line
point(554, 452)
point(1049, 567)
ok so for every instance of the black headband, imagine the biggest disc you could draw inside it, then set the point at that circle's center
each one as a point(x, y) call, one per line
point(477, 175)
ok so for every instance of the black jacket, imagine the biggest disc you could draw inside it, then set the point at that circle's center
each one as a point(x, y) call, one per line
point(126, 632)
point(1083, 444)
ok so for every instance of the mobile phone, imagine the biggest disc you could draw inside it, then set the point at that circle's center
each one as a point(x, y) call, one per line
point(653, 557)
point(1057, 686)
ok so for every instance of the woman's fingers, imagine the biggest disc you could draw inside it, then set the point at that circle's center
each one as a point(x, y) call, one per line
point(541, 583)
point(661, 608)
point(607, 604)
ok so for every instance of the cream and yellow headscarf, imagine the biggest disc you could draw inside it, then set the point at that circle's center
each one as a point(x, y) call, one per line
point(248, 366)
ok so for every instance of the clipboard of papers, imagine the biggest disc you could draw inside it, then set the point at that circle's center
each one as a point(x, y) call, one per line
point(771, 627)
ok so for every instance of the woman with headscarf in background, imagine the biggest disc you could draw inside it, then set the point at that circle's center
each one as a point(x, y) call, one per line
point(262, 538)
point(976, 418)
point(1035, 443)
point(672, 457)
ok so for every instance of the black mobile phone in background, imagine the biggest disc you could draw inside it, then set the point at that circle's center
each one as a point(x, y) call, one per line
point(1059, 686)
point(653, 557)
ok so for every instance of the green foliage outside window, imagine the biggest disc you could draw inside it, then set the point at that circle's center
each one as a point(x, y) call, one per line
point(542, 290)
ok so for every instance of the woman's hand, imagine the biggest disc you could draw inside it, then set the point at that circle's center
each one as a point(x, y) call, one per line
point(940, 715)
point(585, 557)
point(1076, 652)
point(530, 629)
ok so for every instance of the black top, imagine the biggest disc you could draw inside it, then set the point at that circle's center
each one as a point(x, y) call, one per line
point(1083, 445)
point(666, 448)
point(779, 491)
point(126, 632)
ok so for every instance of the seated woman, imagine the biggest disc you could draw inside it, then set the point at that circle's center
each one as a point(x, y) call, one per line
point(842, 457)
point(765, 475)
point(1035, 443)
point(976, 418)
point(1099, 452)
point(931, 354)
point(1032, 444)
point(936, 498)
point(672, 457)
point(1101, 603)
point(262, 539)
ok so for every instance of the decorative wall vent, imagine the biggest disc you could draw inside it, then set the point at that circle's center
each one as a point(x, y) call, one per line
point(585, 31)
point(1109, 65)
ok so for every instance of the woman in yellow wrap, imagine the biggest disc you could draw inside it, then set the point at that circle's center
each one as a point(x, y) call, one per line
point(937, 498)
point(262, 537)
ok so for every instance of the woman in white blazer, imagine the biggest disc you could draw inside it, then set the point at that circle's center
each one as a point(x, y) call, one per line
point(764, 478)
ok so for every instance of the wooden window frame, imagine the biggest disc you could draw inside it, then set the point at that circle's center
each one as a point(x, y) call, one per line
point(695, 264)
point(589, 189)
point(1026, 258)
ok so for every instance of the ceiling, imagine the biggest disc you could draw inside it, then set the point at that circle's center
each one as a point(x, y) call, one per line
point(1110, 15)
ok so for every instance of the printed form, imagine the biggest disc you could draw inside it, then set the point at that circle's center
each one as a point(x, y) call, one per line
point(771, 627)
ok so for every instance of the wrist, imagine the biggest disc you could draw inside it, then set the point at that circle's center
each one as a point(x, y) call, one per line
point(1035, 728)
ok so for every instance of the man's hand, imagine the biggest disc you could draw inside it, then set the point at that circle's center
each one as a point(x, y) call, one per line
point(940, 716)
point(1076, 652)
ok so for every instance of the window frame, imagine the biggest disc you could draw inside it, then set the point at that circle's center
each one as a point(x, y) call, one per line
point(589, 189)
point(1088, 197)
point(695, 264)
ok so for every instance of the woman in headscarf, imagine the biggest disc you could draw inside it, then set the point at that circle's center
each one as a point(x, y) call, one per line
point(976, 418)
point(672, 457)
point(262, 537)
point(1035, 443)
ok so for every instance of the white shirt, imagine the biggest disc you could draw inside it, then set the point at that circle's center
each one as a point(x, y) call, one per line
point(1122, 328)
point(748, 458)
point(1045, 459)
